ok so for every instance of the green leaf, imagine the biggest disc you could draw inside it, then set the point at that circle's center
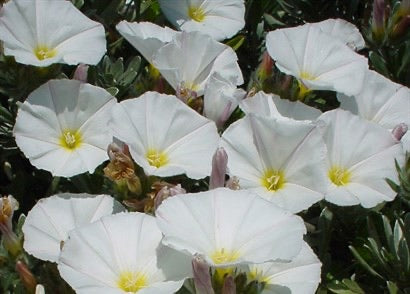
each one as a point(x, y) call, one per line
point(363, 262)
point(236, 42)
point(392, 287)
point(113, 91)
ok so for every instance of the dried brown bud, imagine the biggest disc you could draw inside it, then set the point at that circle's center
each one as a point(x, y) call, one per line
point(26, 277)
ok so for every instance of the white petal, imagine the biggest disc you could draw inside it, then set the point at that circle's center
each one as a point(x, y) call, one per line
point(146, 37)
point(59, 106)
point(222, 18)
point(343, 31)
point(49, 221)
point(301, 275)
point(318, 60)
point(26, 25)
point(233, 221)
point(165, 124)
point(96, 255)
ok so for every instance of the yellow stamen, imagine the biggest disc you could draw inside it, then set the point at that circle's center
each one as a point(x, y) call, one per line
point(224, 256)
point(70, 139)
point(132, 281)
point(196, 13)
point(273, 180)
point(339, 176)
point(43, 52)
point(257, 275)
point(156, 158)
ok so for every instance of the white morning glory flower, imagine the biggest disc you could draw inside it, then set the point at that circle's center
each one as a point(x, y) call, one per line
point(221, 98)
point(188, 61)
point(281, 160)
point(300, 276)
point(146, 37)
point(165, 136)
point(49, 221)
point(342, 30)
point(43, 32)
point(360, 157)
point(381, 101)
point(62, 127)
point(122, 253)
point(316, 59)
point(229, 227)
point(220, 19)
point(272, 105)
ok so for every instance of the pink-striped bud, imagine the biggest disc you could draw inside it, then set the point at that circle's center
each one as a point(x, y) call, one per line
point(399, 131)
point(202, 275)
point(219, 164)
point(26, 276)
point(81, 73)
point(229, 286)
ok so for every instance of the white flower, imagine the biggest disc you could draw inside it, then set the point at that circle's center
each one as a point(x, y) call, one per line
point(300, 276)
point(190, 59)
point(220, 19)
point(221, 98)
point(272, 105)
point(165, 136)
point(122, 254)
point(343, 31)
point(229, 227)
point(281, 160)
point(62, 127)
point(381, 101)
point(316, 59)
point(146, 37)
point(360, 157)
point(49, 221)
point(43, 32)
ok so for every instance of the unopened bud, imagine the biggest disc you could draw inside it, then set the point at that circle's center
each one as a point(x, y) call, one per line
point(399, 131)
point(202, 275)
point(10, 240)
point(219, 164)
point(379, 20)
point(81, 73)
point(40, 289)
point(233, 183)
point(265, 67)
point(26, 277)
point(401, 27)
point(226, 113)
point(229, 286)
point(166, 191)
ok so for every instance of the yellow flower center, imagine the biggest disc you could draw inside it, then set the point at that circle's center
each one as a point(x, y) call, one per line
point(196, 13)
point(339, 176)
point(257, 275)
point(156, 158)
point(70, 139)
point(132, 281)
point(224, 256)
point(43, 52)
point(273, 180)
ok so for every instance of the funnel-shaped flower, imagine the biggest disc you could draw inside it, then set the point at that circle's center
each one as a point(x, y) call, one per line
point(49, 221)
point(281, 160)
point(343, 31)
point(122, 253)
point(301, 275)
point(221, 99)
point(165, 136)
point(43, 32)
point(220, 19)
point(271, 105)
point(381, 101)
point(62, 127)
point(146, 37)
point(361, 156)
point(316, 59)
point(188, 61)
point(229, 227)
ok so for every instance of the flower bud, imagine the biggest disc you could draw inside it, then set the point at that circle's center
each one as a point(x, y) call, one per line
point(379, 19)
point(229, 286)
point(265, 67)
point(202, 275)
point(226, 113)
point(26, 277)
point(219, 164)
point(401, 27)
point(40, 289)
point(10, 240)
point(399, 131)
point(81, 73)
